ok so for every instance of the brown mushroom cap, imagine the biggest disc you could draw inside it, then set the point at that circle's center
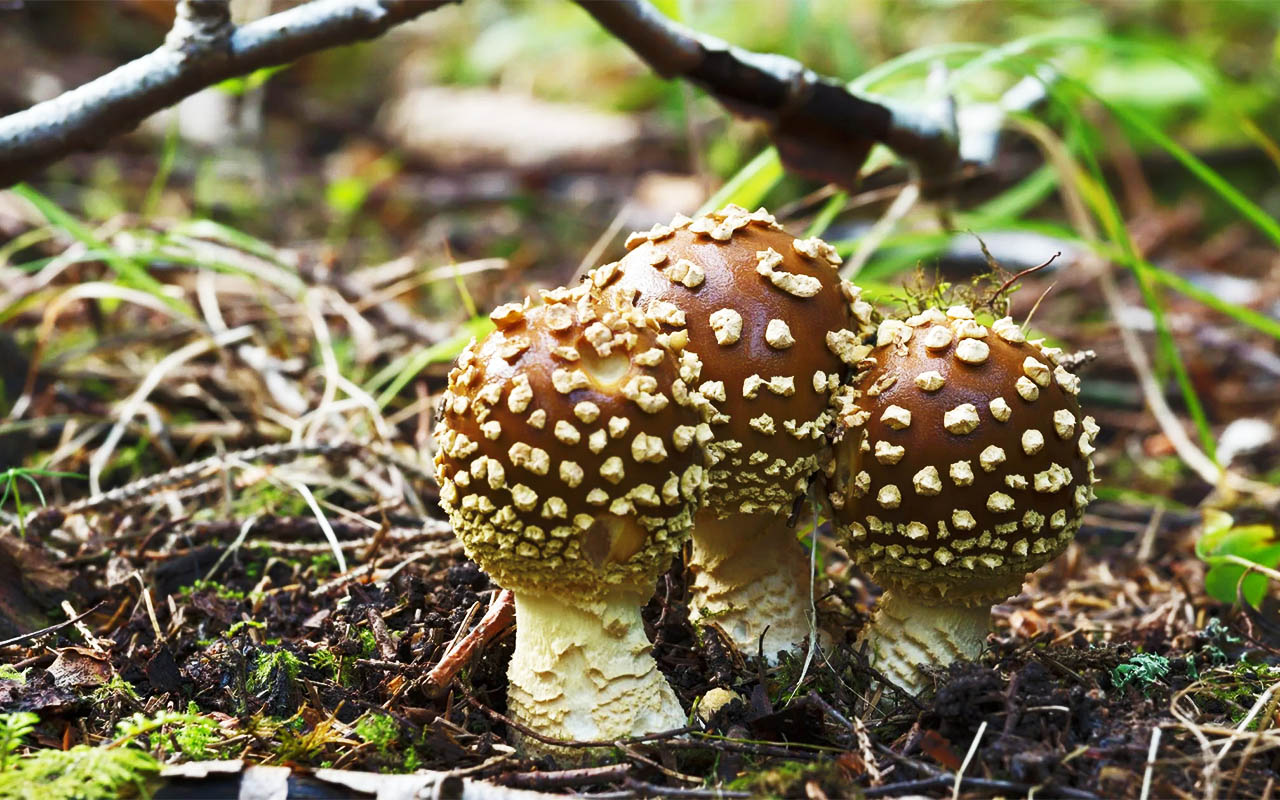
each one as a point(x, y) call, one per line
point(764, 322)
point(563, 462)
point(964, 463)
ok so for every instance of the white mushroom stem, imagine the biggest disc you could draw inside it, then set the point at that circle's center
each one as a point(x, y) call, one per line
point(583, 670)
point(751, 577)
point(907, 633)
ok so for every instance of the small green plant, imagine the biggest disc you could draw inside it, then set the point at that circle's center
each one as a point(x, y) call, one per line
point(10, 480)
point(13, 729)
point(113, 689)
point(380, 730)
point(1215, 635)
point(1229, 549)
point(82, 772)
point(9, 673)
point(368, 643)
point(196, 737)
point(237, 627)
point(220, 591)
point(337, 667)
point(1144, 669)
point(323, 565)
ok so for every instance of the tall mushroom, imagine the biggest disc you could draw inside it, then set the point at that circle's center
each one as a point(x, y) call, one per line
point(564, 480)
point(964, 465)
point(766, 330)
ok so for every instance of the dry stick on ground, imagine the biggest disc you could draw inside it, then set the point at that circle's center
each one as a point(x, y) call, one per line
point(203, 48)
point(565, 778)
point(500, 616)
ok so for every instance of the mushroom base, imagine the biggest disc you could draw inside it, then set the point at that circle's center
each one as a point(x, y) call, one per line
point(583, 670)
point(906, 634)
point(751, 577)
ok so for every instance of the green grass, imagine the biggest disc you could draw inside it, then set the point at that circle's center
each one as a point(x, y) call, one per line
point(132, 272)
point(1142, 83)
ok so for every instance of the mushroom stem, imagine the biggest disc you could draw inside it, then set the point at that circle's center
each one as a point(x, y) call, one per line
point(907, 633)
point(583, 670)
point(751, 577)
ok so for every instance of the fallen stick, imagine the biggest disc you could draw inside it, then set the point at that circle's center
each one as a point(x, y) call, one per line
point(500, 616)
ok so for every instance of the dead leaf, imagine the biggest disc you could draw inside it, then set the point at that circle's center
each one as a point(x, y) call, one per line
point(936, 746)
point(79, 666)
point(1028, 623)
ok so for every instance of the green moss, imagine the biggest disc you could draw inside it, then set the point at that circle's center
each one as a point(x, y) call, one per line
point(269, 665)
point(380, 730)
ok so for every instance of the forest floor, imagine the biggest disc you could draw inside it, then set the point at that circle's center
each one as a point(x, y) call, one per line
point(237, 553)
point(233, 595)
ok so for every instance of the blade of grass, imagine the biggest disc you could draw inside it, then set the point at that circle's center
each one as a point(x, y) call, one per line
point(437, 353)
point(828, 214)
point(1122, 495)
point(129, 271)
point(36, 486)
point(24, 240)
point(216, 231)
point(750, 185)
point(1202, 171)
point(168, 156)
point(1172, 280)
point(1091, 186)
point(1108, 212)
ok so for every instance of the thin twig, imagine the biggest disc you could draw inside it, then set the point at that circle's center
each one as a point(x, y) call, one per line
point(973, 748)
point(500, 616)
point(51, 629)
point(1152, 749)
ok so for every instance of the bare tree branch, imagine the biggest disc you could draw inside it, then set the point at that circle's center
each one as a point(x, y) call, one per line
point(821, 129)
point(202, 49)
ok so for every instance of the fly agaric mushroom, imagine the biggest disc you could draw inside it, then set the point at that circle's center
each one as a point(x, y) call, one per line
point(963, 465)
point(765, 329)
point(563, 480)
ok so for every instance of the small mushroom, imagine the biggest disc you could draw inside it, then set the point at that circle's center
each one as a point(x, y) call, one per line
point(969, 470)
point(766, 330)
point(563, 480)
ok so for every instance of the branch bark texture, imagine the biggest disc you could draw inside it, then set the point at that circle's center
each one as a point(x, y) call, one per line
point(202, 49)
point(821, 129)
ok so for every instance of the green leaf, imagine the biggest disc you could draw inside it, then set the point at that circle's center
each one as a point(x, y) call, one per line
point(1221, 580)
point(1254, 543)
point(1215, 525)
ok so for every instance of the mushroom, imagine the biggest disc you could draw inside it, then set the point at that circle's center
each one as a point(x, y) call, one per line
point(963, 465)
point(765, 329)
point(564, 479)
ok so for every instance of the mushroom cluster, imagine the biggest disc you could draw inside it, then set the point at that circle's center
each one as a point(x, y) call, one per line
point(571, 476)
point(691, 392)
point(768, 332)
point(963, 464)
